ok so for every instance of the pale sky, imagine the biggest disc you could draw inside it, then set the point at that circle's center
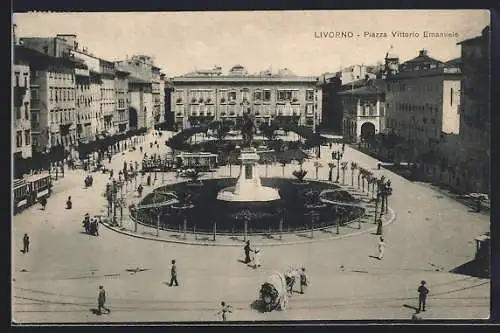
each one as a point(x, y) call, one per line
point(181, 42)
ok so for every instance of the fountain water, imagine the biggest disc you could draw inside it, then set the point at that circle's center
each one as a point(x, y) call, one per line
point(248, 187)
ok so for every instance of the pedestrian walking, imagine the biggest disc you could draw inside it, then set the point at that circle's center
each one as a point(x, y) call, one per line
point(247, 250)
point(101, 300)
point(26, 243)
point(69, 203)
point(303, 280)
point(381, 247)
point(173, 274)
point(226, 308)
point(43, 202)
point(257, 258)
point(422, 296)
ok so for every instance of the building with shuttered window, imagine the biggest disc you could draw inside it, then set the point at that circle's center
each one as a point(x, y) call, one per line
point(207, 95)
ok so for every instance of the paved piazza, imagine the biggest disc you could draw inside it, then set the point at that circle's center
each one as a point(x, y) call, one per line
point(57, 281)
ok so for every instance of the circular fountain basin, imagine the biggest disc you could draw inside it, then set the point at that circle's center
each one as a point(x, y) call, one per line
point(256, 194)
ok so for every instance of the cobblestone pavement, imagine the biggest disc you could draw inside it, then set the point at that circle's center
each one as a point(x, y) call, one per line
point(57, 280)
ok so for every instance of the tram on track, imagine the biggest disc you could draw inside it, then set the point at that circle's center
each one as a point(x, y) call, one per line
point(29, 190)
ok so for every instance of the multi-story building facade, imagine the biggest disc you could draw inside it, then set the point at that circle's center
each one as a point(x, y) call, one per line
point(473, 156)
point(208, 95)
point(97, 120)
point(156, 91)
point(121, 117)
point(169, 114)
point(422, 102)
point(108, 94)
point(331, 103)
point(59, 46)
point(363, 111)
point(21, 129)
point(83, 100)
point(140, 90)
point(53, 109)
point(162, 98)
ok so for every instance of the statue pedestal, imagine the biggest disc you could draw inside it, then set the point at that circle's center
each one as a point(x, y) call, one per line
point(248, 186)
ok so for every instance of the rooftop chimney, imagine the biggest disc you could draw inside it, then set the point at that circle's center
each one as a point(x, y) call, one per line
point(422, 53)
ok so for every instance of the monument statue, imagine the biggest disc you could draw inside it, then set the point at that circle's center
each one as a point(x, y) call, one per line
point(248, 129)
point(248, 187)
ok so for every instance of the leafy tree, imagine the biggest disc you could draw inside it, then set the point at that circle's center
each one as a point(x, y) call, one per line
point(317, 165)
point(331, 165)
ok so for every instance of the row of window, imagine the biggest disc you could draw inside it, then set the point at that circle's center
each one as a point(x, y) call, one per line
point(60, 116)
point(17, 76)
point(61, 76)
point(412, 107)
point(280, 109)
point(403, 87)
point(19, 138)
point(207, 96)
point(413, 129)
point(62, 94)
point(19, 113)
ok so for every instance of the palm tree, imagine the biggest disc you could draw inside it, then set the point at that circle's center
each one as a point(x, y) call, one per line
point(317, 165)
point(360, 173)
point(368, 178)
point(283, 165)
point(331, 165)
point(267, 131)
point(373, 182)
point(301, 161)
point(300, 174)
point(221, 131)
point(343, 166)
point(354, 166)
point(363, 173)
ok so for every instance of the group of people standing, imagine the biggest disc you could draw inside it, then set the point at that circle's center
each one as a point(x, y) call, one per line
point(91, 225)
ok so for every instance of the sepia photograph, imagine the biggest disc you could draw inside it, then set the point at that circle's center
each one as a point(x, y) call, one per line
point(225, 167)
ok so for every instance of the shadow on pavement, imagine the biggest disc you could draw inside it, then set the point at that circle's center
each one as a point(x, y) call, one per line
point(374, 257)
point(473, 268)
point(414, 308)
point(257, 305)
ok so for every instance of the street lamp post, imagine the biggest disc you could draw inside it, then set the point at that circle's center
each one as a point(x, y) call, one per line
point(185, 226)
point(246, 228)
point(158, 224)
point(337, 155)
point(281, 228)
point(136, 218)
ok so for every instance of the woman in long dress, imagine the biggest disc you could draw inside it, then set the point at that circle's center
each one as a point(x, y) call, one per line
point(257, 258)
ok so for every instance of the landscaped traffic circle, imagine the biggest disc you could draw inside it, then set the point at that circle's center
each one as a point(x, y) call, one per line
point(303, 205)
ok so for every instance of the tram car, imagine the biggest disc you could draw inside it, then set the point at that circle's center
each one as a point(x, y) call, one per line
point(29, 190)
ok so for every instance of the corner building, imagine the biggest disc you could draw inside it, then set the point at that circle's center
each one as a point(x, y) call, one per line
point(53, 111)
point(208, 95)
point(422, 102)
point(21, 129)
point(473, 173)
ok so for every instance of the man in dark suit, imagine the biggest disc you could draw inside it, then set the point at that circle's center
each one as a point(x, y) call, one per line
point(247, 250)
point(173, 274)
point(26, 243)
point(422, 296)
